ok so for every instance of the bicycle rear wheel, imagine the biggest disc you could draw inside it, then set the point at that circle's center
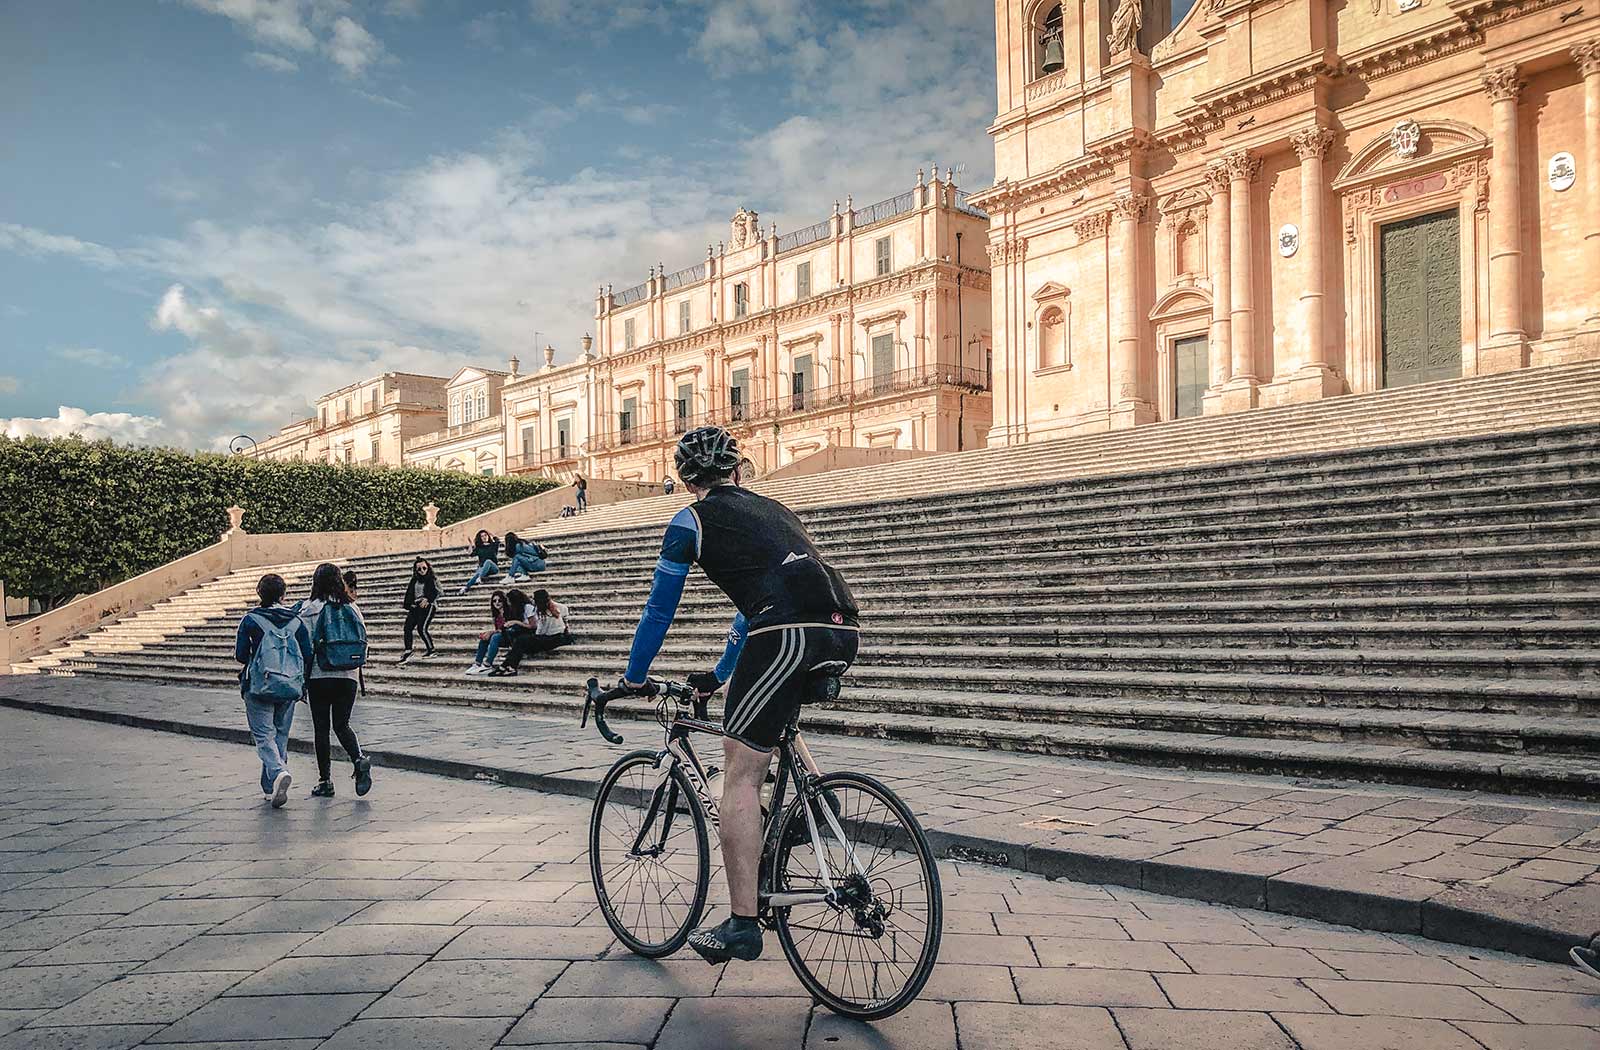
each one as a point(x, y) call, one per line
point(649, 855)
point(869, 955)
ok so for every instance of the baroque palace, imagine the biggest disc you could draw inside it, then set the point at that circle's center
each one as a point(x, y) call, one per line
point(1241, 203)
point(1200, 207)
point(867, 330)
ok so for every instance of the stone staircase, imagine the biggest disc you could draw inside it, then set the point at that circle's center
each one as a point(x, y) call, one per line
point(1411, 594)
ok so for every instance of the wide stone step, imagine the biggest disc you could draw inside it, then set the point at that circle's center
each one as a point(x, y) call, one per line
point(1572, 776)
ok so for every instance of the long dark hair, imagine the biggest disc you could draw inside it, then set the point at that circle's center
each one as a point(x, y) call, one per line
point(498, 596)
point(327, 584)
point(541, 601)
point(516, 601)
point(483, 536)
point(511, 542)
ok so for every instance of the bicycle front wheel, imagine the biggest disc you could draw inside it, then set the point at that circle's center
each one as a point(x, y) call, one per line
point(649, 855)
point(867, 954)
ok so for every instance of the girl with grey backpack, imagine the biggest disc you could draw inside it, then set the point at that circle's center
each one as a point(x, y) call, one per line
point(339, 651)
point(274, 647)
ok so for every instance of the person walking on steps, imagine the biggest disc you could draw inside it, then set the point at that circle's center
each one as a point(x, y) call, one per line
point(421, 600)
point(487, 550)
point(799, 619)
point(339, 648)
point(489, 641)
point(583, 493)
point(549, 630)
point(524, 557)
point(350, 585)
point(274, 648)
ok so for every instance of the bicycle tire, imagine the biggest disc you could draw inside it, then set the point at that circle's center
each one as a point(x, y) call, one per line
point(906, 836)
point(609, 856)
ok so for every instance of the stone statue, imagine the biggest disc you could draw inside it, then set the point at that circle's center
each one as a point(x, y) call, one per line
point(1125, 25)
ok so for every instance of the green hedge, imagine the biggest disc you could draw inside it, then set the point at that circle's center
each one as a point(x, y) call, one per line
point(78, 516)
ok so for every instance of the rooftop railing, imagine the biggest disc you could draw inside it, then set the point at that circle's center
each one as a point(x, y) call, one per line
point(810, 235)
point(964, 205)
point(686, 276)
point(477, 426)
point(888, 209)
point(629, 296)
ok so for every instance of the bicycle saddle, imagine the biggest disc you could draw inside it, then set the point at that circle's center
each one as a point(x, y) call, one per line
point(822, 685)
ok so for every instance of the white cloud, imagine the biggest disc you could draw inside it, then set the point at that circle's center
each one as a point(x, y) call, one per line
point(279, 22)
point(272, 63)
point(10, 384)
point(93, 426)
point(30, 241)
point(352, 48)
point(403, 8)
point(92, 356)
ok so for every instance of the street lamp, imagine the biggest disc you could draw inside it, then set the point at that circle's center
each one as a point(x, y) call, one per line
point(237, 445)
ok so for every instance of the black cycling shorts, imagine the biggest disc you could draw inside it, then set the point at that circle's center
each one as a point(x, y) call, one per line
point(773, 674)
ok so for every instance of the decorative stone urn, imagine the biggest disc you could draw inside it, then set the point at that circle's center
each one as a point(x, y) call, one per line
point(431, 513)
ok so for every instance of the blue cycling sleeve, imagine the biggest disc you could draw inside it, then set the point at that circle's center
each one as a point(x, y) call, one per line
point(730, 655)
point(679, 549)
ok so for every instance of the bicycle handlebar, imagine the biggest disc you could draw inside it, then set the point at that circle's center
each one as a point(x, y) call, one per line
point(597, 699)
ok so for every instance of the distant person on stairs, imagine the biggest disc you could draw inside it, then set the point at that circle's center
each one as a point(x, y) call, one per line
point(487, 550)
point(583, 493)
point(350, 585)
point(550, 630)
point(524, 557)
point(332, 686)
point(274, 648)
point(489, 641)
point(422, 598)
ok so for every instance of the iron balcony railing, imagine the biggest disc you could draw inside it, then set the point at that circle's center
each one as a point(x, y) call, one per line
point(686, 276)
point(629, 296)
point(810, 235)
point(888, 209)
point(549, 457)
point(870, 388)
point(477, 426)
point(964, 205)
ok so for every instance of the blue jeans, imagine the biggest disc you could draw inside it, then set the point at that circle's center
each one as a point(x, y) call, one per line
point(269, 726)
point(488, 649)
point(526, 561)
point(487, 568)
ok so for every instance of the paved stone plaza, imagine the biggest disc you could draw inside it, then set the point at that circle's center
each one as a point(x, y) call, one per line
point(149, 896)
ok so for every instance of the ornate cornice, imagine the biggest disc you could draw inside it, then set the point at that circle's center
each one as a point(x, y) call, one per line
point(1485, 13)
point(1061, 179)
point(1397, 55)
point(1010, 250)
point(1312, 142)
point(1502, 83)
point(887, 317)
point(1238, 97)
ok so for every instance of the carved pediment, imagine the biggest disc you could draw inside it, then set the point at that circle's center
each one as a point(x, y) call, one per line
point(1186, 299)
point(1051, 290)
point(1411, 144)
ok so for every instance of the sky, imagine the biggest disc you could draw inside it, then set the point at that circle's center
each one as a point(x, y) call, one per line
point(212, 211)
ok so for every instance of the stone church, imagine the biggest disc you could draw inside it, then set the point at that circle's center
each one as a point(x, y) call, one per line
point(1245, 203)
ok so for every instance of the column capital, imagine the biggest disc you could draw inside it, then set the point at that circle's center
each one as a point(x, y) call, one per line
point(1502, 83)
point(1587, 56)
point(1130, 206)
point(1312, 142)
point(1242, 166)
point(1217, 177)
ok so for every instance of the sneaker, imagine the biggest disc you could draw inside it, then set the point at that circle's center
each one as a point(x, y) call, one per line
point(503, 672)
point(428, 655)
point(1587, 959)
point(280, 789)
point(734, 939)
point(472, 669)
point(464, 590)
point(323, 790)
point(522, 577)
point(403, 658)
point(363, 776)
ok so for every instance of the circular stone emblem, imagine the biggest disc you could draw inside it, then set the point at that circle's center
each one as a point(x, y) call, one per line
point(1563, 172)
point(1288, 240)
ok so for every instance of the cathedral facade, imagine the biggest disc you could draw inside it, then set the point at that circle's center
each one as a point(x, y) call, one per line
point(1246, 203)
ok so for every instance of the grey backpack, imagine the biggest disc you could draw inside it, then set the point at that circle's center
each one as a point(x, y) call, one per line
point(277, 669)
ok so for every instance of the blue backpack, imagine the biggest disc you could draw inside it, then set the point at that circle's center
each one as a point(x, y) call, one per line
point(340, 640)
point(277, 669)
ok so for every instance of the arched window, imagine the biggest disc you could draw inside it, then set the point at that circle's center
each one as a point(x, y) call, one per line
point(455, 410)
point(1051, 48)
point(483, 404)
point(1052, 338)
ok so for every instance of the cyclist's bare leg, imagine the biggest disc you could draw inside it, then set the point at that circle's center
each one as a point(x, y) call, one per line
point(740, 820)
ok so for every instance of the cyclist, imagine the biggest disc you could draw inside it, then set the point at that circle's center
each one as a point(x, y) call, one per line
point(795, 616)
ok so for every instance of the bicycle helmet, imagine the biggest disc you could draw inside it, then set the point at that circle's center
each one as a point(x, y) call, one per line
point(705, 453)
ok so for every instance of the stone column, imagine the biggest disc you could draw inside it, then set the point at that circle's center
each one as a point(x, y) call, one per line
point(1310, 145)
point(1242, 169)
point(1128, 406)
point(1506, 332)
point(1217, 244)
point(1588, 59)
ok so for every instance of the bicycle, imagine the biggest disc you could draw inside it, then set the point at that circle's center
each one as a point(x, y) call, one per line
point(847, 878)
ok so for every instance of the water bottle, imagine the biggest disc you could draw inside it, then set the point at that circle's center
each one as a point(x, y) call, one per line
point(714, 785)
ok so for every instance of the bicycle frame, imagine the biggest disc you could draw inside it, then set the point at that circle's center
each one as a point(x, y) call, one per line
point(794, 763)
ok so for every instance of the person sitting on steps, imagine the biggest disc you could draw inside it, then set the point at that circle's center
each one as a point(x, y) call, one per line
point(524, 557)
point(489, 641)
point(550, 631)
point(421, 601)
point(487, 550)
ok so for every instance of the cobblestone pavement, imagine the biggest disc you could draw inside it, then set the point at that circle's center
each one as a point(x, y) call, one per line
point(1471, 868)
point(149, 896)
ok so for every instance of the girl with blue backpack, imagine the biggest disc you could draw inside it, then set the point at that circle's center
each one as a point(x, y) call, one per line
point(339, 651)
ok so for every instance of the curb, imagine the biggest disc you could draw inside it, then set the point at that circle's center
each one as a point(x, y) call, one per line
point(1343, 895)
